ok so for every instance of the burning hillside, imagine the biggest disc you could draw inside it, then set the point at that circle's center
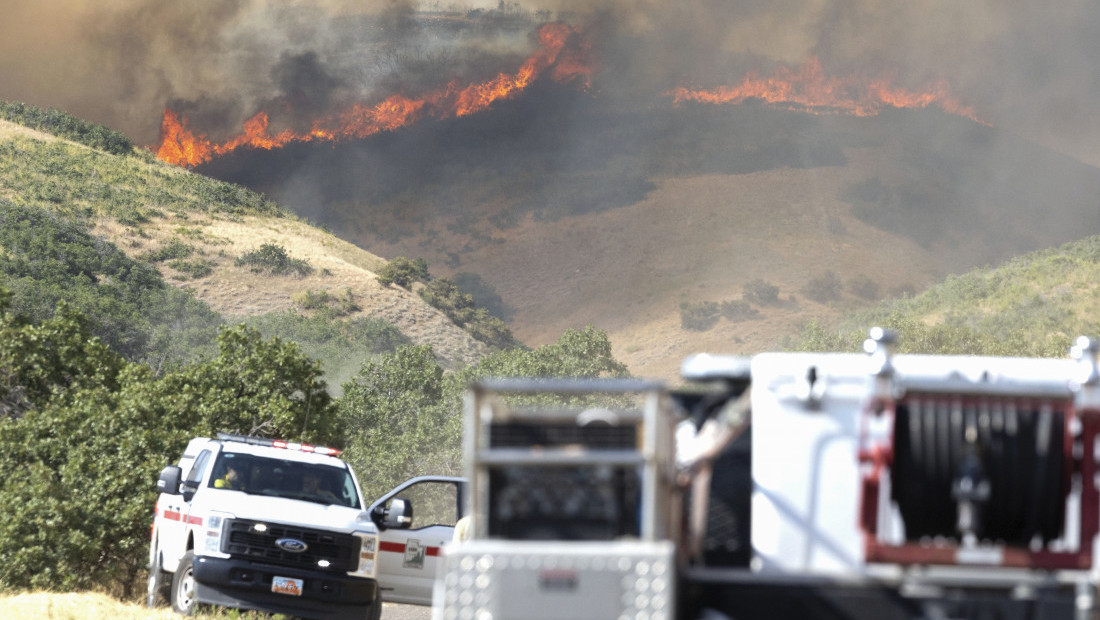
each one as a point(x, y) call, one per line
point(809, 89)
point(558, 54)
point(565, 57)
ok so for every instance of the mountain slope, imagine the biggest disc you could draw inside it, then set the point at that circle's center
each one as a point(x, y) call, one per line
point(1034, 304)
point(155, 212)
point(579, 212)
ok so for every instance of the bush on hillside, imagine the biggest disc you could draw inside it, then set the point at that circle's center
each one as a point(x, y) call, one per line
point(864, 287)
point(823, 288)
point(331, 305)
point(273, 258)
point(46, 258)
point(441, 293)
point(699, 316)
point(403, 272)
point(485, 296)
point(342, 346)
point(173, 250)
point(65, 125)
point(758, 291)
point(192, 269)
point(739, 310)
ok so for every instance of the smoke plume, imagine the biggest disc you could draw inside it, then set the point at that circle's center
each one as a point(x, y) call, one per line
point(1024, 66)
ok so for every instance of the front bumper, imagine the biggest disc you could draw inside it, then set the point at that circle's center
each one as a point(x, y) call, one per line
point(247, 585)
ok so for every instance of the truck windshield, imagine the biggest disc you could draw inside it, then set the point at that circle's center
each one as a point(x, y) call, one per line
point(258, 475)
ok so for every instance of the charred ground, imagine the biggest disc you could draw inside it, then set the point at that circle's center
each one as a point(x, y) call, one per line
point(580, 208)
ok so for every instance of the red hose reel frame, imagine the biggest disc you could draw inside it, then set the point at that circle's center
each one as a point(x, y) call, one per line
point(877, 458)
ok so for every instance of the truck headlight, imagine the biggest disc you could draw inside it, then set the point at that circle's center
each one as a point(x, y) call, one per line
point(212, 528)
point(368, 554)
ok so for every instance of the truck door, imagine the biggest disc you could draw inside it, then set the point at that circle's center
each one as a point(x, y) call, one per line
point(177, 512)
point(409, 555)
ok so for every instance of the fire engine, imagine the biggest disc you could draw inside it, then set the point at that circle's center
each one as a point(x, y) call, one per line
point(282, 527)
point(786, 486)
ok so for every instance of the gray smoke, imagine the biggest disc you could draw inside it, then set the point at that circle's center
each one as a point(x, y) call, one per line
point(1028, 67)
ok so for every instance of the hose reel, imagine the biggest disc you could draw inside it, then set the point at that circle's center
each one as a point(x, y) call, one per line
point(992, 468)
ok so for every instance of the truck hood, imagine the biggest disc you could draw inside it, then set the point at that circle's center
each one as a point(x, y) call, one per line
point(293, 512)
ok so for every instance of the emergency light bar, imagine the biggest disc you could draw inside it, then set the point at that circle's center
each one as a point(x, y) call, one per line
point(278, 443)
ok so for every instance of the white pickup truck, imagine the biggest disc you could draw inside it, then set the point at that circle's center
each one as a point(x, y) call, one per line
point(282, 527)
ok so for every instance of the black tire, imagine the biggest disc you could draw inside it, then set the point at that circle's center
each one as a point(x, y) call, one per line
point(183, 586)
point(376, 608)
point(160, 582)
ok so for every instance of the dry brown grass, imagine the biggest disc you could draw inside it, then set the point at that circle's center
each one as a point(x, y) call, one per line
point(338, 266)
point(75, 606)
point(694, 239)
point(95, 606)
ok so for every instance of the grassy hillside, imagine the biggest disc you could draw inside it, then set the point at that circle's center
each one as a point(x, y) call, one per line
point(195, 230)
point(1032, 305)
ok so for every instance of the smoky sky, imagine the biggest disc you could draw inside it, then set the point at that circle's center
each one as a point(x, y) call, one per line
point(1023, 65)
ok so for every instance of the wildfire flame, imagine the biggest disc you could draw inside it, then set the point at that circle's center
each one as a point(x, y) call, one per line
point(809, 89)
point(179, 145)
point(805, 88)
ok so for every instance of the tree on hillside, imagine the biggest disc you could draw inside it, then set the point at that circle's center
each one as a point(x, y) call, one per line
point(78, 465)
point(401, 416)
point(39, 359)
point(577, 353)
point(267, 388)
point(404, 414)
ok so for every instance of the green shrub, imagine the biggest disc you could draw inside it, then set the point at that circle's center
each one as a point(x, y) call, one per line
point(758, 291)
point(824, 288)
point(333, 305)
point(403, 272)
point(47, 257)
point(67, 126)
point(739, 310)
point(699, 316)
point(273, 258)
point(312, 300)
point(193, 268)
point(173, 250)
point(441, 293)
point(864, 287)
point(485, 296)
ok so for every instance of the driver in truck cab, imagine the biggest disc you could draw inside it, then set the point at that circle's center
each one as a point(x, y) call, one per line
point(311, 485)
point(232, 479)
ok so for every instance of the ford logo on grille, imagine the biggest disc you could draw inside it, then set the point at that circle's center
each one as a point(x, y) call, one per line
point(293, 545)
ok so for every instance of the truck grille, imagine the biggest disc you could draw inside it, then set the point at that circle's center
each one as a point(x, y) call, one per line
point(340, 551)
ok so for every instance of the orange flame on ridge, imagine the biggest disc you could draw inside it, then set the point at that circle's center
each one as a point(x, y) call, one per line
point(808, 88)
point(179, 145)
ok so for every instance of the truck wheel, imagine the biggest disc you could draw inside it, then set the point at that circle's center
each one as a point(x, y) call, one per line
point(183, 586)
point(376, 608)
point(159, 584)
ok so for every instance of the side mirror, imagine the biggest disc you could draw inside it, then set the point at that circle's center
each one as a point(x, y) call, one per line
point(188, 488)
point(398, 516)
point(169, 480)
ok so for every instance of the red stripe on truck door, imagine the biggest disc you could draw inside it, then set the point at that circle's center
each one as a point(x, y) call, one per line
point(394, 547)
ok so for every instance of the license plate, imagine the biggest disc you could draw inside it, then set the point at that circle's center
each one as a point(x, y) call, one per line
point(286, 585)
